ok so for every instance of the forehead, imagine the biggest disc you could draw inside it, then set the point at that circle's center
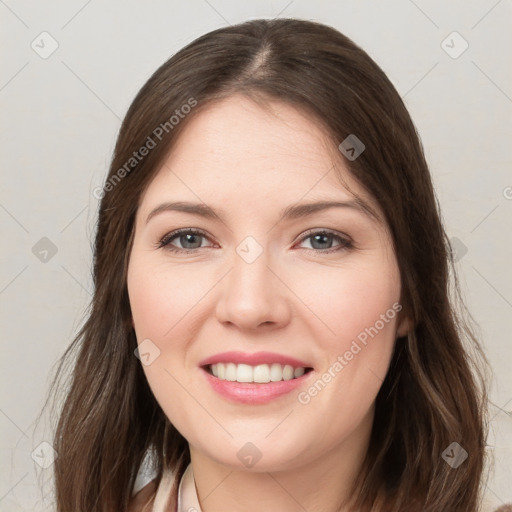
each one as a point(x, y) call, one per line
point(237, 129)
point(236, 149)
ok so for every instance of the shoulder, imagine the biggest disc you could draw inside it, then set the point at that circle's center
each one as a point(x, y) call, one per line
point(143, 500)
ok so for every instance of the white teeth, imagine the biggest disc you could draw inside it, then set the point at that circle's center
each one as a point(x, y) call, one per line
point(231, 371)
point(276, 372)
point(298, 372)
point(288, 372)
point(260, 373)
point(244, 373)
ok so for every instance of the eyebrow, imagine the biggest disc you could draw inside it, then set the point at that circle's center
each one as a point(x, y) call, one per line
point(289, 213)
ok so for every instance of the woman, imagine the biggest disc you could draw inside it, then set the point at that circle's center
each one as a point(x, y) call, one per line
point(271, 316)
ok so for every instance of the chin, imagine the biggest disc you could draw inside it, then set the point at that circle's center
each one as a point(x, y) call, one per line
point(259, 455)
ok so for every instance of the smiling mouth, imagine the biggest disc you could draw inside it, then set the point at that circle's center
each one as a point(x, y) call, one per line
point(259, 374)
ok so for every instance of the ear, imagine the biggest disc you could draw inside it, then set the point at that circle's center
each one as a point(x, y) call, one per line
point(404, 325)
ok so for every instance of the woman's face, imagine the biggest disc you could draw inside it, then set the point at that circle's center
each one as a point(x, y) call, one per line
point(261, 291)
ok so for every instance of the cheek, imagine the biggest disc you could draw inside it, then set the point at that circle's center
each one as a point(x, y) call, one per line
point(161, 301)
point(348, 301)
point(359, 305)
point(357, 308)
point(161, 297)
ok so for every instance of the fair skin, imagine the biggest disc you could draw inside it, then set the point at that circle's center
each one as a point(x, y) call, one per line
point(303, 297)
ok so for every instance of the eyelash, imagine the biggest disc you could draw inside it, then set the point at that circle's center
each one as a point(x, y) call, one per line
point(345, 243)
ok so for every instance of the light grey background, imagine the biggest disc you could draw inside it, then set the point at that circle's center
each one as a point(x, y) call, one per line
point(60, 117)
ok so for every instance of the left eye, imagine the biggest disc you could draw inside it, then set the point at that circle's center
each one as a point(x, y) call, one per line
point(318, 239)
point(191, 241)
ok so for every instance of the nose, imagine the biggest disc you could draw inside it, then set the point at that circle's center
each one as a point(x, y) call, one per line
point(253, 295)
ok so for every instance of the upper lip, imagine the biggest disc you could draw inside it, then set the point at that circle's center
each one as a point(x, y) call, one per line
point(254, 359)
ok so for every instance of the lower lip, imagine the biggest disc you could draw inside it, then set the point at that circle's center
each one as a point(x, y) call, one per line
point(253, 393)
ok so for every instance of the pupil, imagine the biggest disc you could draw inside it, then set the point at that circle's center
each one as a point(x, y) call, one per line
point(316, 238)
point(187, 240)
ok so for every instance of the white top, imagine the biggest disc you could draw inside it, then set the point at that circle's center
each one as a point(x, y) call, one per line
point(187, 500)
point(187, 494)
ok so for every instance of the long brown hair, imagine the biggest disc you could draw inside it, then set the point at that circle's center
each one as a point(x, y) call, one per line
point(434, 393)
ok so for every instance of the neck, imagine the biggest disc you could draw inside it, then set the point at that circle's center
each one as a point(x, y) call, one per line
point(322, 485)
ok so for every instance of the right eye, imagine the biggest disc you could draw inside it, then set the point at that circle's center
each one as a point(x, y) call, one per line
point(187, 237)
